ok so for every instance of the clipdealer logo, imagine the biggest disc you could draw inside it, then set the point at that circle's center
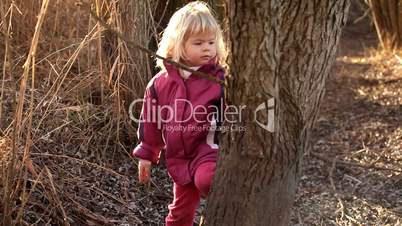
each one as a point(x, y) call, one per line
point(269, 106)
point(202, 114)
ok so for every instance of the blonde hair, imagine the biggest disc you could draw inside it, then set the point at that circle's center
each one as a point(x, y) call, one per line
point(192, 19)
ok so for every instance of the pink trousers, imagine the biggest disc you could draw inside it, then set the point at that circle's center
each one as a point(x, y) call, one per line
point(186, 198)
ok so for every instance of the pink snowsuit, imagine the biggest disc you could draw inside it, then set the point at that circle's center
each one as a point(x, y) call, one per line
point(189, 133)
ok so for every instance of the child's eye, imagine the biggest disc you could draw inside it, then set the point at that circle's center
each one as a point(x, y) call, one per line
point(197, 43)
point(211, 42)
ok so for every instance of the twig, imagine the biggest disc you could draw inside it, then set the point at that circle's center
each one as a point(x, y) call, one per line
point(92, 164)
point(150, 52)
point(366, 13)
point(331, 180)
point(56, 198)
point(80, 161)
point(342, 208)
point(91, 216)
point(319, 156)
point(26, 198)
point(398, 58)
point(48, 134)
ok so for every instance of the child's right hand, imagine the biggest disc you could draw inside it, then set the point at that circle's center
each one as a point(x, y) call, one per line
point(144, 171)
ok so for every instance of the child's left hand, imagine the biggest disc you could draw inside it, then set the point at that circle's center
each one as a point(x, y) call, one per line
point(144, 171)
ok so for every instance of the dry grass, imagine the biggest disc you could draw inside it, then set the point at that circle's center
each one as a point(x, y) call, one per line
point(65, 88)
point(10, 186)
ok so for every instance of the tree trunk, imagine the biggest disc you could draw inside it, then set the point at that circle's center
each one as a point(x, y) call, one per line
point(281, 52)
point(387, 16)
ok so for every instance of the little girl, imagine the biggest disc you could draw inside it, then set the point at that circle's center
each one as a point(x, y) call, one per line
point(181, 111)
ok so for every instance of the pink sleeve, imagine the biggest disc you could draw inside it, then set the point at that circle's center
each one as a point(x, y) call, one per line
point(149, 135)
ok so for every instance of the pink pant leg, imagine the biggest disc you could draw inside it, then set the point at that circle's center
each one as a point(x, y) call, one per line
point(187, 197)
point(203, 177)
point(185, 202)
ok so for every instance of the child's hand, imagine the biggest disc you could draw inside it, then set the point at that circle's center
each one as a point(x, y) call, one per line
point(144, 171)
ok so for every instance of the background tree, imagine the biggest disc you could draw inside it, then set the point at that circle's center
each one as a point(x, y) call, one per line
point(135, 20)
point(282, 50)
point(387, 16)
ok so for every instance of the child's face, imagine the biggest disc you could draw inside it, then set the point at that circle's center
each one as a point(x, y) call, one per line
point(199, 49)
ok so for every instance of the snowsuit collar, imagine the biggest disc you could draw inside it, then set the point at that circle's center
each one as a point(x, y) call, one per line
point(210, 68)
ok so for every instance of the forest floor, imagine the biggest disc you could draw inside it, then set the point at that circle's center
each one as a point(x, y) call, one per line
point(351, 176)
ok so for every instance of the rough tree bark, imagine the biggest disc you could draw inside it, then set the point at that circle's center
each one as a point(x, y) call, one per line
point(282, 50)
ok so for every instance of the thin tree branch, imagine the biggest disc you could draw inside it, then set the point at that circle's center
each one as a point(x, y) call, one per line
point(150, 52)
point(323, 158)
